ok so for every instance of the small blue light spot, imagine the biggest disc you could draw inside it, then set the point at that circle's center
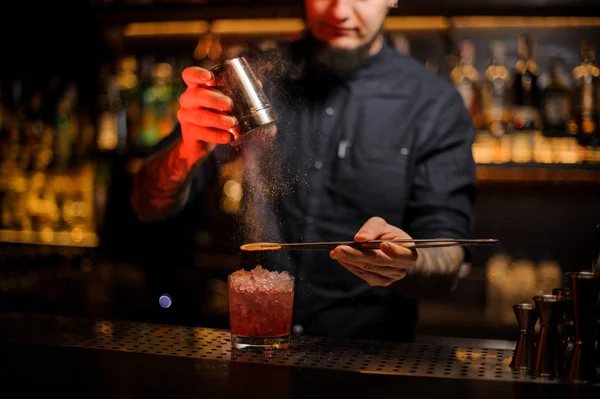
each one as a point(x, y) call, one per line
point(165, 301)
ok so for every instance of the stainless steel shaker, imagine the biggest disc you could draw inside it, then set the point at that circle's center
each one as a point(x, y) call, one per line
point(236, 79)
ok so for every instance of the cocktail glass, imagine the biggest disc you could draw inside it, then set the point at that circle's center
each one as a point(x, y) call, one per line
point(260, 309)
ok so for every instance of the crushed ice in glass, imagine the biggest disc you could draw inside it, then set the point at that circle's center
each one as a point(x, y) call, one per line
point(261, 280)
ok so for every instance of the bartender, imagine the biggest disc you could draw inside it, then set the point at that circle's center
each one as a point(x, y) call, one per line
point(369, 145)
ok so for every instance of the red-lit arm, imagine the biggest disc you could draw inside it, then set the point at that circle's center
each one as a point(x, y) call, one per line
point(161, 187)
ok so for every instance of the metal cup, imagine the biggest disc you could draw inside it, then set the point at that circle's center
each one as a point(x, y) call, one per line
point(565, 328)
point(584, 293)
point(235, 78)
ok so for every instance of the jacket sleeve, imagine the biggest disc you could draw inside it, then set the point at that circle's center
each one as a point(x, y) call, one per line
point(444, 181)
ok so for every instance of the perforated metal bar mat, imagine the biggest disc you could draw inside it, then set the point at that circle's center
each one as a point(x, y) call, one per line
point(441, 361)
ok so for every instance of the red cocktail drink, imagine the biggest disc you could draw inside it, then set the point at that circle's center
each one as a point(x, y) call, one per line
point(260, 308)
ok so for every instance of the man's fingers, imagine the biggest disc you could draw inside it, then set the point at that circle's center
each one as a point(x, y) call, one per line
point(201, 97)
point(195, 76)
point(373, 279)
point(356, 256)
point(392, 265)
point(395, 251)
point(371, 230)
point(207, 134)
point(203, 117)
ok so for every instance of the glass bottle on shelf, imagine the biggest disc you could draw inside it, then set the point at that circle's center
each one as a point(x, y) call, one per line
point(67, 125)
point(526, 93)
point(158, 118)
point(556, 107)
point(495, 89)
point(111, 121)
point(465, 78)
point(553, 145)
point(584, 124)
point(130, 82)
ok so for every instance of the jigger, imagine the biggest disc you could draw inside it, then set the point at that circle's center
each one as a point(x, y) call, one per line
point(584, 294)
point(523, 355)
point(548, 360)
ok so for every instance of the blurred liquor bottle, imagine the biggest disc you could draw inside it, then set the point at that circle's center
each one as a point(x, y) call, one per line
point(130, 88)
point(465, 78)
point(556, 102)
point(495, 90)
point(111, 119)
point(151, 111)
point(67, 127)
point(586, 75)
point(526, 92)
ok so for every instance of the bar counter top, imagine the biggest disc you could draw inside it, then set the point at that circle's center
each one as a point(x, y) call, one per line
point(86, 357)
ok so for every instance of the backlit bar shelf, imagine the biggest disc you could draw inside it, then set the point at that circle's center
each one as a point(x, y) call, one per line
point(526, 147)
point(536, 173)
point(74, 238)
point(286, 25)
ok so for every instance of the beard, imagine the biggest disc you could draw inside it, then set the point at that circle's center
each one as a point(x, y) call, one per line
point(342, 63)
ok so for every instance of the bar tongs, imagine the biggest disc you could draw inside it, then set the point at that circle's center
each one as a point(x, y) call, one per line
point(372, 244)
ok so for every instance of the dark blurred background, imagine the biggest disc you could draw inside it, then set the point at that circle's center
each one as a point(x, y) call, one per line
point(89, 87)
